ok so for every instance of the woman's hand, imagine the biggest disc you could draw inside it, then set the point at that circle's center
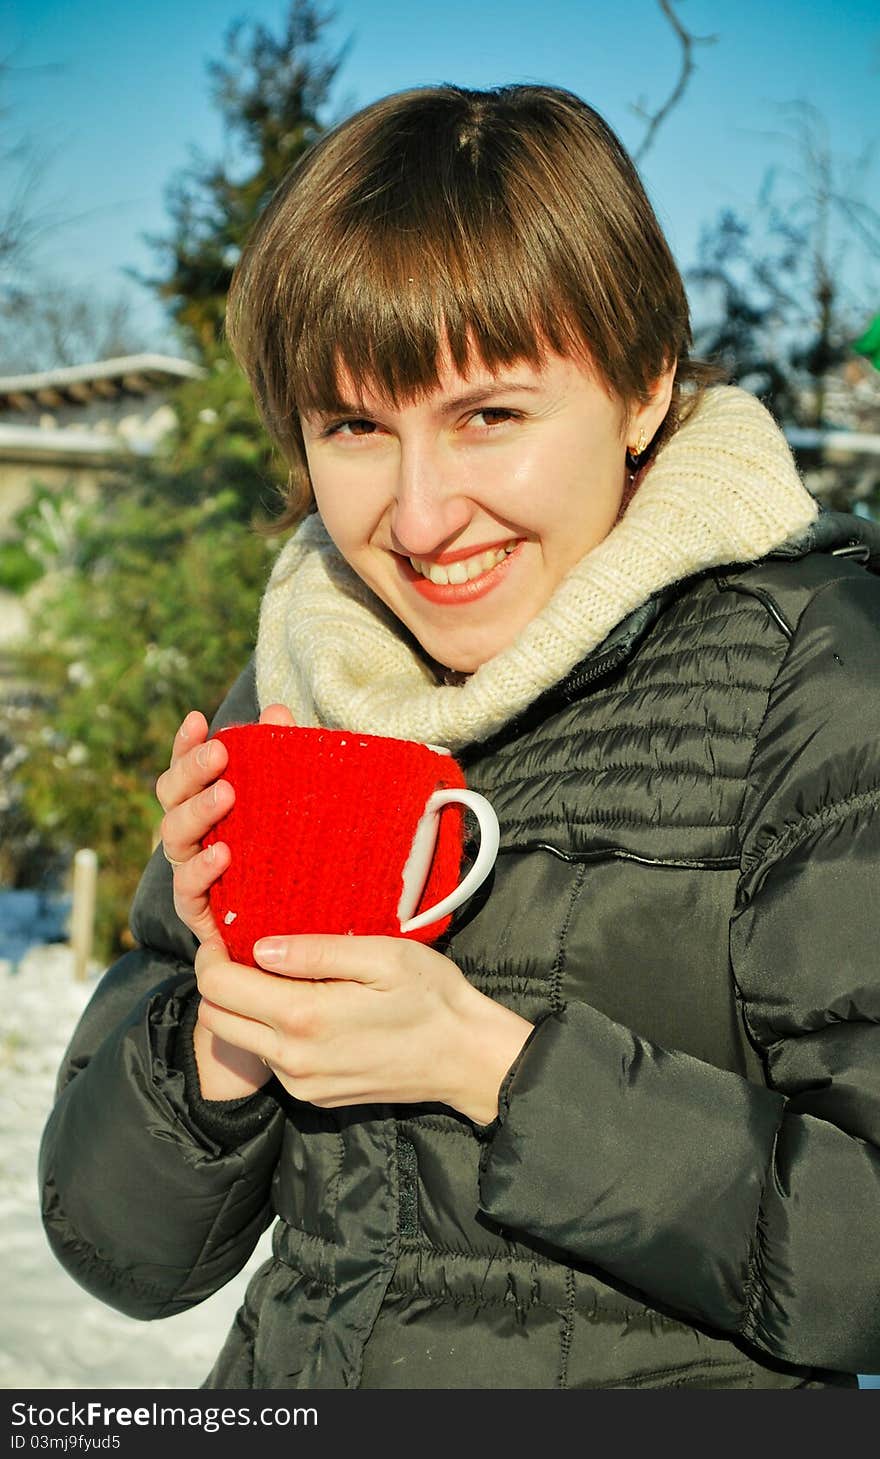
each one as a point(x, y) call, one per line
point(194, 799)
point(362, 1020)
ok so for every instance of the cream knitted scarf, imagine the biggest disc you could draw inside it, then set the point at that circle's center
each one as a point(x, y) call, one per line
point(724, 489)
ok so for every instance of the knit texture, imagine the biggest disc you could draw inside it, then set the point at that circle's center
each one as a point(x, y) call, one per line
point(724, 489)
point(320, 832)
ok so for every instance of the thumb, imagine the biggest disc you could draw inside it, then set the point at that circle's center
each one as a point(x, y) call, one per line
point(277, 714)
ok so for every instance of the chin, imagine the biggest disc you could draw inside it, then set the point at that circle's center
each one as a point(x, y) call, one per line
point(466, 661)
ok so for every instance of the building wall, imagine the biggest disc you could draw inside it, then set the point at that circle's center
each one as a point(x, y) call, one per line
point(137, 422)
point(18, 478)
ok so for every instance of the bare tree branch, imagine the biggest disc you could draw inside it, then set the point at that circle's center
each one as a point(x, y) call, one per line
point(23, 166)
point(865, 220)
point(688, 41)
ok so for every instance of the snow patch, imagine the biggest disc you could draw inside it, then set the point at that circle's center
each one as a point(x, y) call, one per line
point(54, 1334)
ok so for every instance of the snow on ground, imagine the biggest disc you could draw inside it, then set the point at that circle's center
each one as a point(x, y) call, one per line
point(54, 1335)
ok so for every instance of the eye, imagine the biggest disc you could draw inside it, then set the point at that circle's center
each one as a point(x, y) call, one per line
point(356, 427)
point(494, 416)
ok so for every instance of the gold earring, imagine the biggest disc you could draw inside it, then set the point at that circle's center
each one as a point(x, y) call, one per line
point(640, 444)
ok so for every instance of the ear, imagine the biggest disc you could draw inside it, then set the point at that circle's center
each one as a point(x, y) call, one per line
point(647, 419)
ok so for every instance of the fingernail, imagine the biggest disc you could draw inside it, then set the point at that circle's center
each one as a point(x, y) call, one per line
point(209, 854)
point(270, 949)
point(203, 756)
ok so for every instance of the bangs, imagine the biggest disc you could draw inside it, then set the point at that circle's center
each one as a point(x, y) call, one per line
point(396, 310)
point(407, 289)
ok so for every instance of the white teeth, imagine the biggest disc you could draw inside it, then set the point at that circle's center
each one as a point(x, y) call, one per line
point(464, 570)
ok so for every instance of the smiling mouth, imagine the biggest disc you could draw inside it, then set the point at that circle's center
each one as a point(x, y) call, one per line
point(467, 569)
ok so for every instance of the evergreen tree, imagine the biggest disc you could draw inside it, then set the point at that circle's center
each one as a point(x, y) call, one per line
point(145, 604)
point(145, 615)
point(270, 92)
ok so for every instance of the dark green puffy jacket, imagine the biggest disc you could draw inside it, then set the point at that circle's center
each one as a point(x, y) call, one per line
point(683, 1185)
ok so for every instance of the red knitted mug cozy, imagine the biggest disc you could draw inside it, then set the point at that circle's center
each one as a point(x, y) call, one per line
point(320, 832)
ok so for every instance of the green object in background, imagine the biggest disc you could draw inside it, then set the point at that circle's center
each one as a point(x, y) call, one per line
point(868, 344)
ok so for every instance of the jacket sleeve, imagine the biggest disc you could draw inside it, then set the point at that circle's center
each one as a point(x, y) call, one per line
point(141, 1205)
point(753, 1209)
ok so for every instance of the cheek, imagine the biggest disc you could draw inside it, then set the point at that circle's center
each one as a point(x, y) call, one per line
point(569, 489)
point(352, 489)
point(337, 500)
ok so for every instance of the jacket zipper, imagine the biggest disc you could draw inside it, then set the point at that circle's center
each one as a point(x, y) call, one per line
point(581, 678)
point(407, 1186)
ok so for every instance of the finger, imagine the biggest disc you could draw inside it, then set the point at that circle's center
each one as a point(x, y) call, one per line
point(316, 955)
point(192, 883)
point(277, 714)
point(247, 992)
point(211, 954)
point(191, 772)
point(243, 1033)
point(192, 731)
point(183, 828)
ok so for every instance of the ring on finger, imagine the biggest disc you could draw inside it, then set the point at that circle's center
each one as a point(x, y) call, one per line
point(170, 859)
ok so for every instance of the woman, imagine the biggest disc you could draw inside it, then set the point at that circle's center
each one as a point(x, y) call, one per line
point(621, 1128)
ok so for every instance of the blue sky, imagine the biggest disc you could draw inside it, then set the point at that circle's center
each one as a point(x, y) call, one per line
point(114, 96)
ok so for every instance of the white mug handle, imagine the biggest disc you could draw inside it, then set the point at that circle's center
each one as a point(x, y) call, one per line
point(418, 863)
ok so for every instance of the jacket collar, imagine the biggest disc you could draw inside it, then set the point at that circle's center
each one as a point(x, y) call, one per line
point(841, 533)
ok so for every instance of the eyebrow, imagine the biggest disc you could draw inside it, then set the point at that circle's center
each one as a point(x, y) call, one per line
point(450, 407)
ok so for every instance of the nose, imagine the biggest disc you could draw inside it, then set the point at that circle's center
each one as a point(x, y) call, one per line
point(430, 505)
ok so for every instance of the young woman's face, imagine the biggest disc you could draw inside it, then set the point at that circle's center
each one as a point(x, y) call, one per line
point(465, 510)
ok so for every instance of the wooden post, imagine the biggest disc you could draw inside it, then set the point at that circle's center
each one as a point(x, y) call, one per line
point(82, 916)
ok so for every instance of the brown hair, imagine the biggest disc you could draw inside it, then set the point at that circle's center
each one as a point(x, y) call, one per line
point(504, 221)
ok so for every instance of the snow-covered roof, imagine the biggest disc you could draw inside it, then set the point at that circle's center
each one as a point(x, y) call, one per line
point(98, 380)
